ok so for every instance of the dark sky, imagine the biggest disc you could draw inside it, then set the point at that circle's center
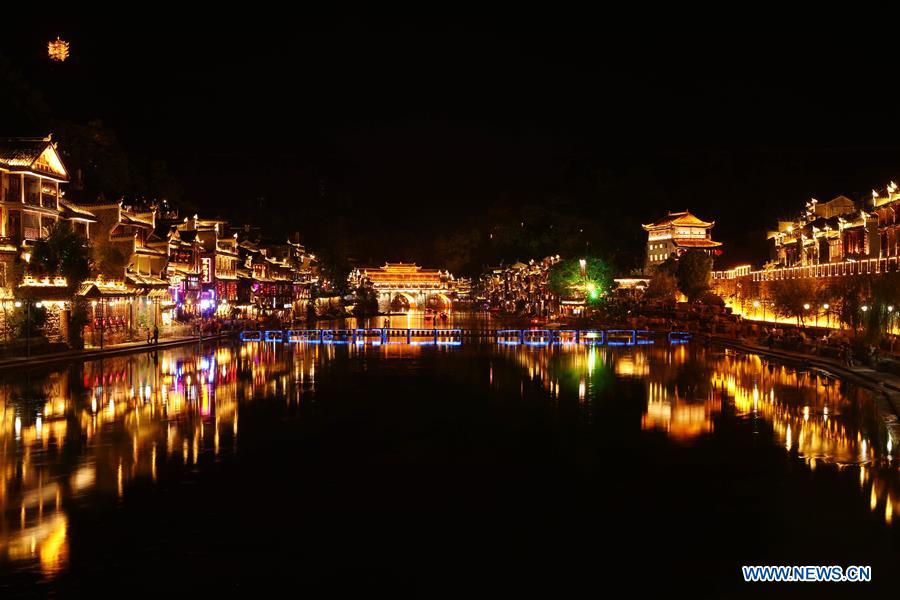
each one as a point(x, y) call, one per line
point(419, 127)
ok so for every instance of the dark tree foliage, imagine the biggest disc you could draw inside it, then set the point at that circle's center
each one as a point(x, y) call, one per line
point(62, 253)
point(366, 302)
point(663, 285)
point(791, 297)
point(565, 276)
point(693, 273)
point(334, 268)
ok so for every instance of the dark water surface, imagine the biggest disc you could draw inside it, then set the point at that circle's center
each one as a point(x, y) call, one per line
point(439, 470)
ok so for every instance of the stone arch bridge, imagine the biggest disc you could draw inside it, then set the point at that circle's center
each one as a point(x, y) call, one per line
point(408, 285)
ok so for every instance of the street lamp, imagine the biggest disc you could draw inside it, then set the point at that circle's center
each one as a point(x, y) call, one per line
point(582, 263)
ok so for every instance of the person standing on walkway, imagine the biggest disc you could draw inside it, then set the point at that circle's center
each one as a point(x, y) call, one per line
point(155, 335)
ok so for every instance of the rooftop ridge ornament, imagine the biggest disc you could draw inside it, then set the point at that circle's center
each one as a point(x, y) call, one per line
point(58, 49)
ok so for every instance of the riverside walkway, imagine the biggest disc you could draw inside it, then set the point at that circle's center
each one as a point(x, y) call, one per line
point(109, 350)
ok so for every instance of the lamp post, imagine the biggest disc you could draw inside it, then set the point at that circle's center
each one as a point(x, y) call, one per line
point(806, 307)
point(18, 304)
point(890, 310)
point(582, 263)
point(102, 321)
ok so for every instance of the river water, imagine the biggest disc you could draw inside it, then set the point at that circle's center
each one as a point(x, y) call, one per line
point(434, 470)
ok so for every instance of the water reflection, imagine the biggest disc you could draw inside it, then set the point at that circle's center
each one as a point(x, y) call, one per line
point(95, 430)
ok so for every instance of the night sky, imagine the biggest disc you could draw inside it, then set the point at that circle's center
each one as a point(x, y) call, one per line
point(399, 132)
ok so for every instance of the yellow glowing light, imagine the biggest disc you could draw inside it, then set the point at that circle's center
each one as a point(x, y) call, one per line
point(58, 50)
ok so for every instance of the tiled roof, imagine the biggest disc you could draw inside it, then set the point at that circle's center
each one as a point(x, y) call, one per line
point(21, 152)
point(683, 218)
point(69, 210)
point(700, 243)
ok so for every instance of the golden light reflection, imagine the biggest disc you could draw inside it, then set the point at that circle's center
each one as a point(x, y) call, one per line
point(119, 416)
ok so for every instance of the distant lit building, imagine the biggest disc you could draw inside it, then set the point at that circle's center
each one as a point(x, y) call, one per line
point(519, 287)
point(407, 285)
point(677, 233)
point(830, 232)
point(58, 50)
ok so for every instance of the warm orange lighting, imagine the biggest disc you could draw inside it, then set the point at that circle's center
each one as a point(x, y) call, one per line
point(58, 50)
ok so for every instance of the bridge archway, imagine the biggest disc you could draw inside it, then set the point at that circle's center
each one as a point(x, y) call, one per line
point(439, 301)
point(404, 301)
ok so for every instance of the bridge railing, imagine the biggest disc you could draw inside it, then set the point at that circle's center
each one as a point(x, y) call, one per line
point(422, 336)
point(620, 337)
point(337, 336)
point(509, 337)
point(310, 336)
point(251, 336)
point(642, 337)
point(274, 335)
point(592, 337)
point(454, 336)
point(374, 337)
point(564, 336)
point(536, 337)
point(679, 337)
point(396, 335)
point(448, 337)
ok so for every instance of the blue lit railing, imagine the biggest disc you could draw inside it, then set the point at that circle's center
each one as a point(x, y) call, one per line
point(620, 337)
point(455, 336)
point(642, 337)
point(300, 336)
point(564, 336)
point(509, 337)
point(592, 337)
point(679, 337)
point(536, 337)
point(374, 337)
point(448, 337)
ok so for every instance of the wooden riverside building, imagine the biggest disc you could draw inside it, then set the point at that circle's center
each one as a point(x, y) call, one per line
point(827, 241)
point(151, 268)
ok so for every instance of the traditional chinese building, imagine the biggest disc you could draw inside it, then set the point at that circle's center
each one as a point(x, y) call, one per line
point(520, 287)
point(677, 233)
point(830, 232)
point(31, 173)
point(407, 285)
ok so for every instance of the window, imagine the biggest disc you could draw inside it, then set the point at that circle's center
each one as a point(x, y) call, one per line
point(13, 188)
point(31, 225)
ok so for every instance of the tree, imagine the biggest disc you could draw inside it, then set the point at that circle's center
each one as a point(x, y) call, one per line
point(882, 306)
point(64, 253)
point(366, 301)
point(663, 284)
point(334, 269)
point(693, 273)
point(795, 298)
point(847, 297)
point(595, 284)
point(109, 259)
